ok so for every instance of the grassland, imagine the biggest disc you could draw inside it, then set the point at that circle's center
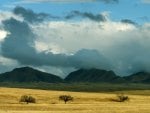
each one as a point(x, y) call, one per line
point(78, 87)
point(47, 102)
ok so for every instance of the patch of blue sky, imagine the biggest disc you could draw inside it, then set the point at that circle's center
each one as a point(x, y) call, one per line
point(126, 9)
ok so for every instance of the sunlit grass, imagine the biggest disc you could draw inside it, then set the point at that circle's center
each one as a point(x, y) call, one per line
point(48, 102)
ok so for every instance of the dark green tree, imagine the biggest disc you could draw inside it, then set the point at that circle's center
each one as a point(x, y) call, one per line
point(65, 98)
point(27, 99)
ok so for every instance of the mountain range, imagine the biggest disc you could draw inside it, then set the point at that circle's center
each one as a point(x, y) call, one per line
point(28, 74)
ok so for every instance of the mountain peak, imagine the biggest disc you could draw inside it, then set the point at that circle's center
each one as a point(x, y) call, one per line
point(28, 74)
point(23, 68)
point(91, 75)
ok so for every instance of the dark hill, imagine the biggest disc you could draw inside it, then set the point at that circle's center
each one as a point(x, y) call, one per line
point(100, 76)
point(93, 75)
point(140, 77)
point(27, 74)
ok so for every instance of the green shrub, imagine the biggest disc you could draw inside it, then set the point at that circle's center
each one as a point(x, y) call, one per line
point(27, 99)
point(65, 98)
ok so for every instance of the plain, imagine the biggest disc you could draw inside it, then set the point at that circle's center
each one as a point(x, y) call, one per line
point(48, 102)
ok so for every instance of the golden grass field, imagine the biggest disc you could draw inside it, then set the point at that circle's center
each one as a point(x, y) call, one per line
point(48, 102)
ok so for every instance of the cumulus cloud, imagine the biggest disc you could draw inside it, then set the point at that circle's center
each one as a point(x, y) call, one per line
point(124, 46)
point(91, 16)
point(17, 40)
point(118, 46)
point(19, 45)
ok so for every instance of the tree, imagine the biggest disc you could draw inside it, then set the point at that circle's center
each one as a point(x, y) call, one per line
point(65, 98)
point(27, 99)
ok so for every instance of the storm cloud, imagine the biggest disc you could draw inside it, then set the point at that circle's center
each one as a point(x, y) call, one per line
point(31, 16)
point(19, 45)
point(91, 16)
point(97, 43)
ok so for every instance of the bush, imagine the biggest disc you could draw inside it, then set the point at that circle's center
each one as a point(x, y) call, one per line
point(27, 99)
point(65, 98)
point(122, 98)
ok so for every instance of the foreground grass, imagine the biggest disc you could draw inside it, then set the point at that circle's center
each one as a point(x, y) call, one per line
point(47, 102)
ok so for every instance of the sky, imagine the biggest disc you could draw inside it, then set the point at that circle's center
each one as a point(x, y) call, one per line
point(60, 36)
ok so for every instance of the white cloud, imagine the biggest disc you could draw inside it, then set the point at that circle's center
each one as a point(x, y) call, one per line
point(55, 49)
point(125, 45)
point(7, 62)
point(60, 71)
point(4, 15)
point(73, 36)
point(2, 35)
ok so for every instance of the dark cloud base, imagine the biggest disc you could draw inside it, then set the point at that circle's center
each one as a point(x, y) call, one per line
point(128, 21)
point(88, 15)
